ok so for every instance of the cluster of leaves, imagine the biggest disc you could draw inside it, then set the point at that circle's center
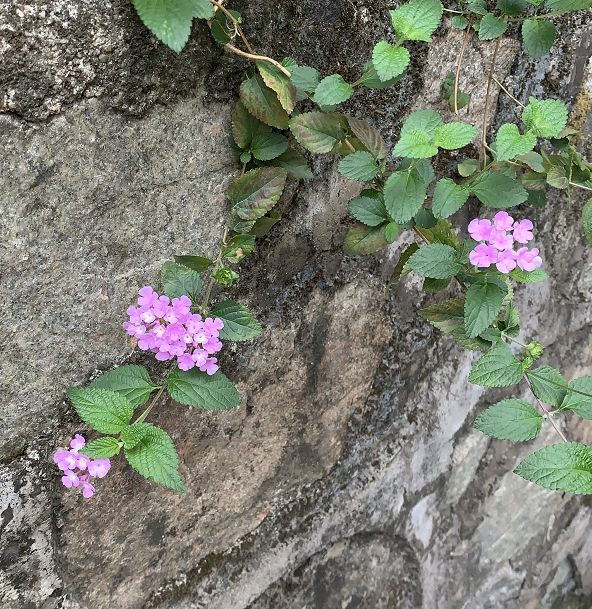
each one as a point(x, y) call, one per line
point(538, 30)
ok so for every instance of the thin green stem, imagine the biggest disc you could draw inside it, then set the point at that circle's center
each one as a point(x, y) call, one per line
point(565, 387)
point(146, 412)
point(208, 292)
point(580, 186)
point(513, 340)
point(545, 410)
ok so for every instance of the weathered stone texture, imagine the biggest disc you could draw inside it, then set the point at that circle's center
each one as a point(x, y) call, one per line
point(350, 477)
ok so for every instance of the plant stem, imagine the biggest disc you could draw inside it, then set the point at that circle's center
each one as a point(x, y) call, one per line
point(566, 387)
point(580, 186)
point(485, 110)
point(459, 63)
point(545, 410)
point(253, 57)
point(217, 264)
point(508, 93)
point(146, 412)
point(235, 22)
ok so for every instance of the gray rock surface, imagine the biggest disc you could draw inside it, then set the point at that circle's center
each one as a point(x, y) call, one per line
point(350, 477)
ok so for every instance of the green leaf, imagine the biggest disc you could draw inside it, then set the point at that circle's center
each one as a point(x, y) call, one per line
point(245, 126)
point(548, 385)
point(130, 381)
point(498, 190)
point(534, 160)
point(294, 163)
point(391, 232)
point(195, 263)
point(169, 20)
point(442, 233)
point(497, 368)
point(319, 131)
point(448, 317)
point(557, 177)
point(267, 146)
point(238, 247)
point(332, 90)
point(359, 166)
point(435, 260)
point(134, 433)
point(277, 81)
point(468, 167)
point(239, 323)
point(219, 29)
point(369, 136)
point(265, 224)
point(587, 220)
point(371, 80)
point(417, 135)
point(389, 61)
point(369, 210)
point(454, 135)
point(510, 143)
point(448, 198)
point(401, 268)
point(563, 467)
point(545, 117)
point(513, 8)
point(178, 280)
point(482, 305)
point(304, 78)
point(101, 448)
point(514, 420)
point(203, 9)
point(105, 411)
point(417, 19)
point(447, 89)
point(479, 7)
point(491, 27)
point(362, 240)
point(426, 120)
point(576, 401)
point(195, 388)
point(538, 36)
point(155, 458)
point(536, 276)
point(404, 194)
point(262, 102)
point(568, 5)
point(256, 192)
point(459, 22)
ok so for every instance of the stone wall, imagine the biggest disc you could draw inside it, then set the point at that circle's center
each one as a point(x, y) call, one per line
point(350, 477)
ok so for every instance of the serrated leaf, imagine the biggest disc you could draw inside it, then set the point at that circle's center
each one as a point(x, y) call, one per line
point(454, 135)
point(510, 143)
point(101, 448)
point(155, 458)
point(497, 368)
point(538, 36)
point(514, 420)
point(195, 263)
point(498, 190)
point(401, 268)
point(459, 22)
point(304, 78)
point(417, 19)
point(391, 232)
point(442, 232)
point(359, 166)
point(245, 126)
point(371, 80)
point(580, 400)
point(294, 163)
point(479, 7)
point(404, 194)
point(389, 61)
point(536, 276)
point(132, 434)
point(369, 136)
point(587, 220)
point(263, 103)
point(362, 240)
point(169, 20)
point(268, 146)
point(533, 159)
point(105, 411)
point(417, 135)
point(195, 388)
point(369, 210)
point(435, 260)
point(545, 117)
point(568, 5)
point(239, 323)
point(491, 27)
point(468, 167)
point(256, 192)
point(319, 131)
point(513, 8)
point(483, 303)
point(448, 198)
point(178, 280)
point(563, 467)
point(548, 385)
point(277, 81)
point(203, 9)
point(130, 381)
point(332, 90)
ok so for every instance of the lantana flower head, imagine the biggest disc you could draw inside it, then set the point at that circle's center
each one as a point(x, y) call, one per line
point(497, 238)
point(78, 470)
point(171, 331)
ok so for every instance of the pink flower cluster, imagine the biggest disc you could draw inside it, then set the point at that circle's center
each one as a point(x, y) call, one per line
point(497, 247)
point(79, 469)
point(169, 330)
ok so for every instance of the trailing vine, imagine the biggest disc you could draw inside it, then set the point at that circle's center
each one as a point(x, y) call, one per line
point(181, 326)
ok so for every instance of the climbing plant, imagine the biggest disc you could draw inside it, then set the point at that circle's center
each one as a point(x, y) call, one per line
point(285, 107)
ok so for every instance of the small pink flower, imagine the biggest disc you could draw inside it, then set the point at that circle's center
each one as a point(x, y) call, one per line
point(503, 221)
point(77, 442)
point(500, 239)
point(185, 362)
point(147, 296)
point(210, 367)
point(523, 231)
point(479, 229)
point(70, 479)
point(528, 259)
point(98, 468)
point(506, 261)
point(483, 256)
